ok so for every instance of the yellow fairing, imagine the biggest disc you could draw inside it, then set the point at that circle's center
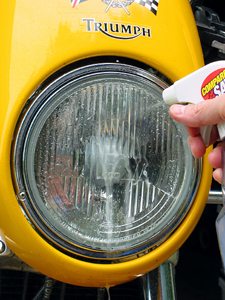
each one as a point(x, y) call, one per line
point(37, 38)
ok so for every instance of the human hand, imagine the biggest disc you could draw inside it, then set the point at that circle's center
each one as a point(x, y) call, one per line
point(194, 116)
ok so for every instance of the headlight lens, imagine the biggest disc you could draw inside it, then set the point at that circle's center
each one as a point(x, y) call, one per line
point(104, 172)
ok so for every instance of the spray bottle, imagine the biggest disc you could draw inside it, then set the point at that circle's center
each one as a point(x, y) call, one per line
point(204, 84)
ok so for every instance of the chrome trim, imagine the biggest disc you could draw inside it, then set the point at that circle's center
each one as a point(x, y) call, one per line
point(215, 197)
point(159, 284)
point(4, 250)
point(2, 247)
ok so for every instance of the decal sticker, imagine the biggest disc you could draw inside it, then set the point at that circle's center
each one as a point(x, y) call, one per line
point(151, 5)
point(118, 3)
point(214, 84)
point(75, 3)
point(117, 30)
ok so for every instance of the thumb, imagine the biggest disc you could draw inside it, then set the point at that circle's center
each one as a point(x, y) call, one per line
point(207, 112)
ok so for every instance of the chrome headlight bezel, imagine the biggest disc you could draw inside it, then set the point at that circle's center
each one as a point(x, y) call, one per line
point(41, 105)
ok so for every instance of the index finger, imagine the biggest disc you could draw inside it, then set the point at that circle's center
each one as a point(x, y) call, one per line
point(207, 112)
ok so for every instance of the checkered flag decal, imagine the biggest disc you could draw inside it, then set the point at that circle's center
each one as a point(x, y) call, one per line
point(152, 5)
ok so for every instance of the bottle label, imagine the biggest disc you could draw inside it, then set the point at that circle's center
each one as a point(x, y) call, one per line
point(214, 84)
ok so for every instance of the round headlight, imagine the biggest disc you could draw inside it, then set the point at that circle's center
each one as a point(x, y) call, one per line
point(101, 169)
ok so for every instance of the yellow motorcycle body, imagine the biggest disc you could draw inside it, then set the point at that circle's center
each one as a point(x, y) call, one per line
point(38, 39)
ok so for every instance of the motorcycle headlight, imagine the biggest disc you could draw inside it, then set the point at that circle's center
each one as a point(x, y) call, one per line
point(101, 169)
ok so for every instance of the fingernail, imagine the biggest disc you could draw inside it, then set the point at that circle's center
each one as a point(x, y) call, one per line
point(177, 109)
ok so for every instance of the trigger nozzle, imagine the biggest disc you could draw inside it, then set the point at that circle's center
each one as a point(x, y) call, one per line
point(169, 95)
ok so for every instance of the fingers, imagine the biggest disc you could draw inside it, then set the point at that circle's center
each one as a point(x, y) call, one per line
point(217, 175)
point(201, 114)
point(196, 142)
point(197, 146)
point(195, 116)
point(215, 157)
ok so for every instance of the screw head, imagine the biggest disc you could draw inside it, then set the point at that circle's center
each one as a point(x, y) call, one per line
point(22, 196)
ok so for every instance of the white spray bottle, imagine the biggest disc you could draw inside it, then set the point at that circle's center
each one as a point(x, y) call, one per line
point(204, 84)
